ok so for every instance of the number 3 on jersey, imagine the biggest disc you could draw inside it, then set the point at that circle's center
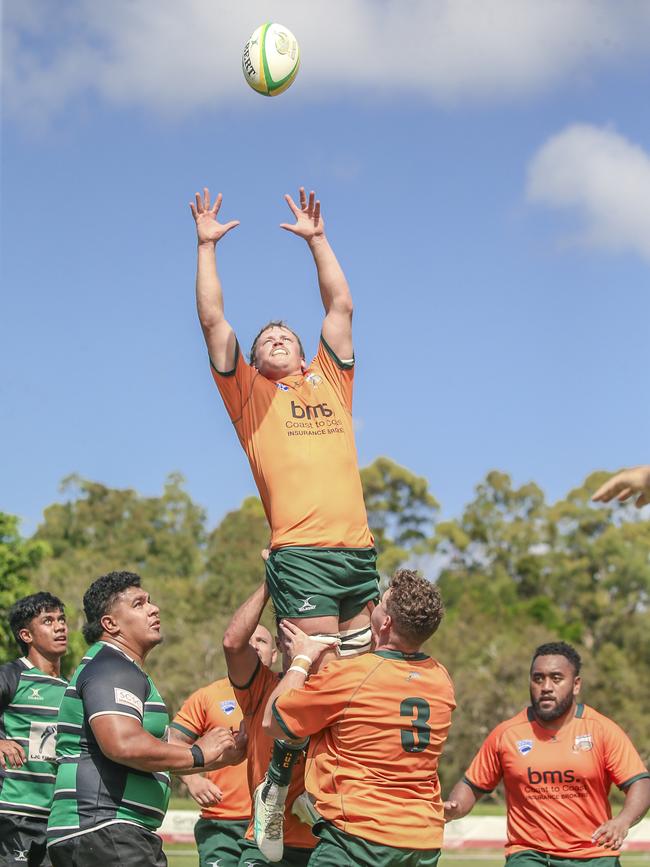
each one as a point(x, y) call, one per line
point(415, 739)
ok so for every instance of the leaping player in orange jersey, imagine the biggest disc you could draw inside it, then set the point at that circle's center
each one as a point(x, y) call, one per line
point(294, 422)
point(558, 759)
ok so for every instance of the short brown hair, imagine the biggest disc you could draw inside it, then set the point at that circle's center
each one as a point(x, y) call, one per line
point(414, 605)
point(274, 323)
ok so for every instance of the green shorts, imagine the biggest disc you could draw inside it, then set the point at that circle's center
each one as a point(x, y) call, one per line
point(338, 849)
point(218, 840)
point(252, 857)
point(530, 858)
point(322, 582)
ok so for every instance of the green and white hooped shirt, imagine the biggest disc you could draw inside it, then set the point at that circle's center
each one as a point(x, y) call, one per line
point(29, 707)
point(92, 791)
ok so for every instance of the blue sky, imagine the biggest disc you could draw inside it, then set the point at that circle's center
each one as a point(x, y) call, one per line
point(484, 171)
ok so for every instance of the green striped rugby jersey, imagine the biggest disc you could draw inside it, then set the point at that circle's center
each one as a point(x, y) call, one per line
point(29, 706)
point(91, 790)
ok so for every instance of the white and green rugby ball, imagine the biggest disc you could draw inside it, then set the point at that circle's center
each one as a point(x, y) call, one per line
point(271, 59)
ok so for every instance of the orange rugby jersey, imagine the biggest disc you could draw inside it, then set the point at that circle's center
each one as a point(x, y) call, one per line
point(298, 436)
point(556, 781)
point(379, 723)
point(252, 698)
point(209, 707)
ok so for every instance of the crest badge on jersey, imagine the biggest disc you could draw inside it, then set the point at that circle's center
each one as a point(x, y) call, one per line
point(282, 386)
point(524, 747)
point(314, 379)
point(582, 744)
point(228, 706)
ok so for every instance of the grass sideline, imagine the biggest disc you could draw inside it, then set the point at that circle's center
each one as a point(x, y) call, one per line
point(182, 855)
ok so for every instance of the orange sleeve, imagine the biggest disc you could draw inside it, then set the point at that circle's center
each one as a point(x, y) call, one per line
point(190, 719)
point(234, 385)
point(316, 705)
point(485, 772)
point(623, 763)
point(339, 374)
point(251, 694)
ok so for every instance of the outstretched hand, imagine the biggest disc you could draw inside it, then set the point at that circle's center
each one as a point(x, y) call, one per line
point(208, 228)
point(626, 484)
point(309, 223)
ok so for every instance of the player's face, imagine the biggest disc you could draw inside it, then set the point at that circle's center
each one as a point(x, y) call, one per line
point(277, 353)
point(137, 618)
point(262, 643)
point(47, 633)
point(553, 687)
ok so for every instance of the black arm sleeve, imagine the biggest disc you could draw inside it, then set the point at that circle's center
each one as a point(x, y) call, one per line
point(9, 678)
point(112, 684)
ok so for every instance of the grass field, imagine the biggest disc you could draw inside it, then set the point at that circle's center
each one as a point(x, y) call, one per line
point(181, 855)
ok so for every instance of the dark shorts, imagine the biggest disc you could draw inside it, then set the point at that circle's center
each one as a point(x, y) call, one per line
point(116, 845)
point(218, 840)
point(23, 842)
point(252, 857)
point(322, 582)
point(338, 849)
point(530, 858)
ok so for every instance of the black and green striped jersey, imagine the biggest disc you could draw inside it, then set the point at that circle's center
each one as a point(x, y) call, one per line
point(91, 790)
point(29, 706)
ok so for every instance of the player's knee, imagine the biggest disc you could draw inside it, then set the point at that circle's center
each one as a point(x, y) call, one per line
point(355, 641)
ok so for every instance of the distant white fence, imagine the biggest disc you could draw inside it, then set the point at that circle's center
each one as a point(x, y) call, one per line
point(472, 832)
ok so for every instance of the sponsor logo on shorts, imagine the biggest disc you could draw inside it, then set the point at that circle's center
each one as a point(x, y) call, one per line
point(582, 743)
point(524, 747)
point(306, 605)
point(228, 706)
point(216, 863)
point(123, 696)
point(35, 694)
point(20, 855)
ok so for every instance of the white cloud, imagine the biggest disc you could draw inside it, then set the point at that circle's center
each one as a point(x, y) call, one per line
point(604, 178)
point(175, 57)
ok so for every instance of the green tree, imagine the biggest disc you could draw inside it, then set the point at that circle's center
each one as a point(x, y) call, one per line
point(401, 512)
point(18, 559)
point(100, 530)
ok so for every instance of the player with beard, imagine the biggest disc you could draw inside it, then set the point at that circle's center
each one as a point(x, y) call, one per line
point(558, 759)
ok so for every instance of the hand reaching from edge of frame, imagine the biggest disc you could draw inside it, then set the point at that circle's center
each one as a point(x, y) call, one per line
point(625, 484)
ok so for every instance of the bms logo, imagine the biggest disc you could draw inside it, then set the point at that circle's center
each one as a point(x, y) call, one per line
point(309, 412)
point(550, 777)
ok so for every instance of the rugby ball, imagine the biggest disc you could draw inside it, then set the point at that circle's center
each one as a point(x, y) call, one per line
point(271, 59)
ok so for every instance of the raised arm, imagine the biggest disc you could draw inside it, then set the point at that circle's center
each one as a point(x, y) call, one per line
point(219, 336)
point(334, 289)
point(241, 657)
